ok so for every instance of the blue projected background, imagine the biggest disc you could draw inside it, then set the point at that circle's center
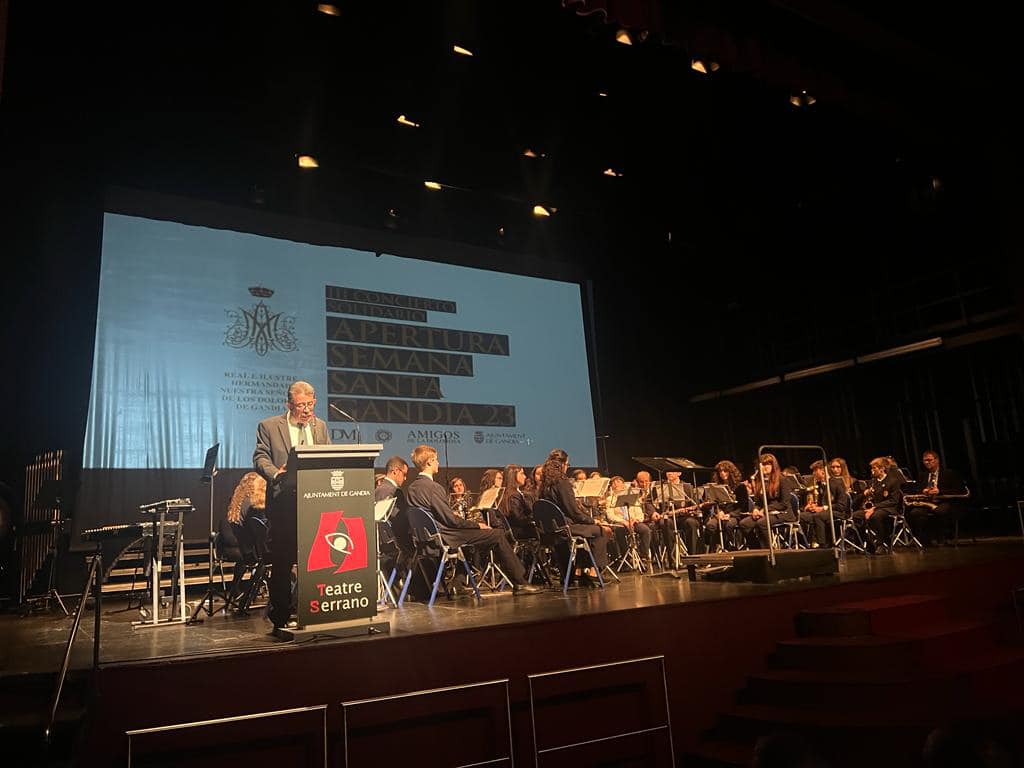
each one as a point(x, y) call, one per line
point(199, 332)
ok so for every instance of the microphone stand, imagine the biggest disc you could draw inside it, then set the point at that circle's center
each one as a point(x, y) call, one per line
point(350, 418)
point(604, 450)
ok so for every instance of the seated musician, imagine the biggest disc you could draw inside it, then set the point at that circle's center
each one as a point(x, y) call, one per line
point(425, 493)
point(458, 499)
point(882, 498)
point(815, 507)
point(247, 518)
point(661, 527)
point(679, 499)
point(937, 482)
point(625, 520)
point(733, 504)
point(492, 478)
point(557, 488)
point(838, 468)
point(768, 486)
point(515, 509)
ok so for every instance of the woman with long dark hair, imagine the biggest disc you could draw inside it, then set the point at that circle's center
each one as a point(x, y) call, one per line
point(515, 507)
point(557, 488)
point(769, 484)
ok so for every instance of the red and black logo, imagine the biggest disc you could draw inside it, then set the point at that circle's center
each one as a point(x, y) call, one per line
point(340, 543)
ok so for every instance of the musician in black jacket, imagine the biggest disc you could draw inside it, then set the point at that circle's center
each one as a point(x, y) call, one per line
point(882, 499)
point(557, 488)
point(424, 492)
point(816, 504)
point(935, 480)
point(768, 484)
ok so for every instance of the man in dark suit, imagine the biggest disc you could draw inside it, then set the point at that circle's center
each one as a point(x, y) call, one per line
point(395, 472)
point(424, 492)
point(275, 438)
point(935, 480)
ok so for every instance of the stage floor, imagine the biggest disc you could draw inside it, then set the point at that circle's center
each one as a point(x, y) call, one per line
point(35, 643)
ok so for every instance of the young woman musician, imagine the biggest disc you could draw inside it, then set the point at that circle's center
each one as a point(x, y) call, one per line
point(768, 483)
point(726, 515)
point(837, 468)
point(515, 509)
point(458, 499)
point(557, 488)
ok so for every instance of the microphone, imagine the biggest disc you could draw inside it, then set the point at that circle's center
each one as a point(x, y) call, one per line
point(347, 416)
point(602, 437)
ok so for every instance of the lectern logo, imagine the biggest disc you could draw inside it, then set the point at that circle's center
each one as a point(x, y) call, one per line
point(260, 328)
point(340, 543)
point(337, 479)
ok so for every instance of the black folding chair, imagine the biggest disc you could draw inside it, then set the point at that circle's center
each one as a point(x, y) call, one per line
point(552, 524)
point(430, 543)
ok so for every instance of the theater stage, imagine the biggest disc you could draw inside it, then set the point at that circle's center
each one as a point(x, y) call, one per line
point(711, 634)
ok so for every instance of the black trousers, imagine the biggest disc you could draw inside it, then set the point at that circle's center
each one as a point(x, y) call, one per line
point(494, 539)
point(283, 544)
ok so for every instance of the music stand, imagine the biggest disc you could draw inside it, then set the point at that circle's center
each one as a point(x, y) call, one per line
point(209, 472)
point(660, 464)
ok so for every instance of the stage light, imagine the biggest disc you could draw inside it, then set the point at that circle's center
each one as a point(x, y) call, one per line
point(534, 154)
point(702, 66)
point(403, 120)
point(461, 51)
point(612, 172)
point(901, 350)
point(622, 36)
point(542, 212)
point(802, 99)
point(308, 161)
point(432, 185)
point(602, 94)
point(328, 9)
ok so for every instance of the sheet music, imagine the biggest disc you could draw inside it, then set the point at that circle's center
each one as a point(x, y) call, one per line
point(489, 498)
point(382, 508)
point(593, 486)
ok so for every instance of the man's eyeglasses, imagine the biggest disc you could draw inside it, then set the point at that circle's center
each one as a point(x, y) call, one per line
point(304, 406)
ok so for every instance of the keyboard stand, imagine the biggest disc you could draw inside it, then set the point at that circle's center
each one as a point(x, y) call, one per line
point(161, 520)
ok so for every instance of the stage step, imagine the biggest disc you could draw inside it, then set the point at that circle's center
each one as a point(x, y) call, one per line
point(873, 617)
point(866, 682)
point(847, 689)
point(880, 656)
point(131, 567)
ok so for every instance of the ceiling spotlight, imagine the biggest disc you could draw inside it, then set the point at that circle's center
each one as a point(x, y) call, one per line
point(403, 120)
point(308, 161)
point(802, 99)
point(542, 212)
point(622, 36)
point(432, 185)
point(328, 9)
point(461, 51)
point(531, 153)
point(602, 94)
point(612, 172)
point(704, 67)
